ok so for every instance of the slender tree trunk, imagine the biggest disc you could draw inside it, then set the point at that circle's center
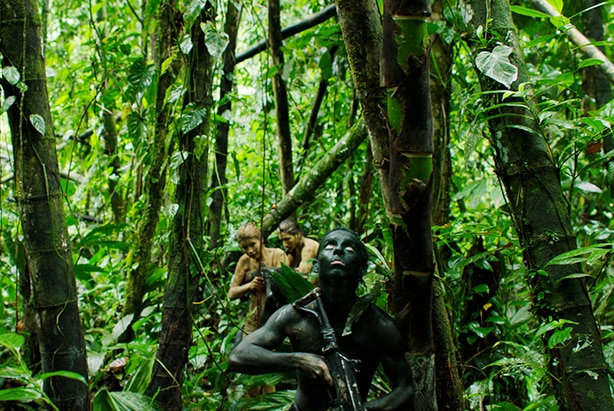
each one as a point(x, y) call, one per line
point(532, 184)
point(281, 99)
point(40, 199)
point(219, 180)
point(156, 177)
point(448, 382)
point(185, 267)
point(110, 150)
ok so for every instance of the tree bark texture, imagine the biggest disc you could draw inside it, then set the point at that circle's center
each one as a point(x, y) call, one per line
point(306, 187)
point(362, 33)
point(405, 73)
point(281, 99)
point(219, 180)
point(159, 153)
point(449, 387)
point(187, 244)
point(541, 217)
point(594, 82)
point(40, 199)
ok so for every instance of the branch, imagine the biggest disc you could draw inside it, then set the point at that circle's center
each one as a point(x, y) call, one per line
point(311, 21)
point(580, 41)
point(305, 188)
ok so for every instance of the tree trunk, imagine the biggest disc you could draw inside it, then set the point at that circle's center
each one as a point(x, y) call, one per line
point(362, 34)
point(281, 99)
point(156, 177)
point(541, 217)
point(185, 267)
point(110, 150)
point(219, 180)
point(448, 383)
point(594, 83)
point(305, 189)
point(40, 199)
point(405, 74)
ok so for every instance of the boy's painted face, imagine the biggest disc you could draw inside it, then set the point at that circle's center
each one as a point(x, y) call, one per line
point(338, 255)
point(251, 247)
point(289, 241)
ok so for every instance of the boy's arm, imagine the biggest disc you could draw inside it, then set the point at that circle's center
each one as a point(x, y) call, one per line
point(255, 355)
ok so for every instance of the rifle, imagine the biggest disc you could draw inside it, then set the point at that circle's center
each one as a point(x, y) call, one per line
point(341, 368)
point(273, 296)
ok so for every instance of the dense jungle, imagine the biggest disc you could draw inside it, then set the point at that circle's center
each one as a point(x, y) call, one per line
point(467, 142)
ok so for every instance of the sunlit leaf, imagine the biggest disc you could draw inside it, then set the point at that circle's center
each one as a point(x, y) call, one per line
point(215, 41)
point(496, 65)
point(38, 122)
point(11, 74)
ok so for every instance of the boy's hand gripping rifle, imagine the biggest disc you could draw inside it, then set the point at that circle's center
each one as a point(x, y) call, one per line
point(341, 368)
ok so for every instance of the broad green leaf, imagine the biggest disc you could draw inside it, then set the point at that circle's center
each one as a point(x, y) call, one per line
point(590, 62)
point(12, 341)
point(215, 41)
point(291, 283)
point(559, 337)
point(192, 117)
point(139, 380)
point(11, 74)
point(557, 4)
point(496, 65)
point(38, 122)
point(192, 12)
point(21, 394)
point(140, 76)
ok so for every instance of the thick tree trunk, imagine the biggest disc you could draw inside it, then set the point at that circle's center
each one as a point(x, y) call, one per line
point(40, 199)
point(219, 180)
point(541, 216)
point(305, 188)
point(156, 177)
point(594, 82)
point(281, 99)
point(362, 34)
point(185, 265)
point(405, 74)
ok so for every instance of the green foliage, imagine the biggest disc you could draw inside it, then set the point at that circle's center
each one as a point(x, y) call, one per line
point(100, 59)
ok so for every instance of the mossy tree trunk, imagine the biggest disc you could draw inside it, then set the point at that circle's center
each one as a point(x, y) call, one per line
point(281, 98)
point(40, 199)
point(541, 217)
point(187, 243)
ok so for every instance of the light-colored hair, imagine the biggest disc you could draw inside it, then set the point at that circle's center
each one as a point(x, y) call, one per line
point(248, 231)
point(290, 227)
